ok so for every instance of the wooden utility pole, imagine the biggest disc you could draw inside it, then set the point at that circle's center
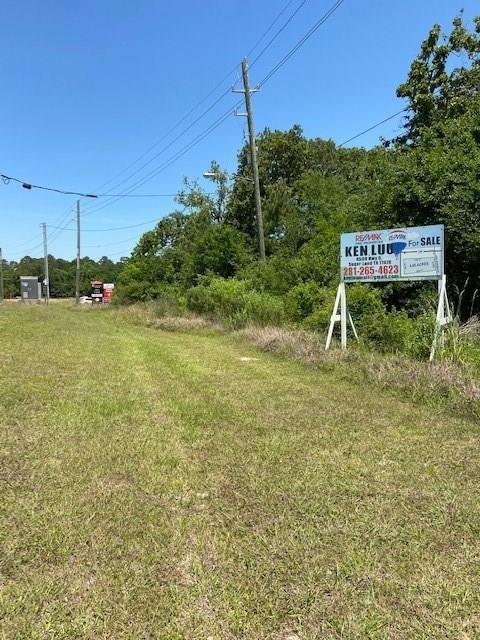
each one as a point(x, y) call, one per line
point(77, 278)
point(1, 276)
point(45, 262)
point(253, 154)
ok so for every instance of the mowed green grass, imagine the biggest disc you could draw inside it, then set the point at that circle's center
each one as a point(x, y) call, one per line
point(156, 485)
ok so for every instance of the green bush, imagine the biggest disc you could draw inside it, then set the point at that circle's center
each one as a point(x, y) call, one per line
point(168, 301)
point(387, 332)
point(235, 302)
point(264, 309)
point(303, 300)
point(275, 275)
point(135, 291)
point(422, 337)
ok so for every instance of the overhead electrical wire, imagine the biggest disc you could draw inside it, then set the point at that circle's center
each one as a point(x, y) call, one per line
point(115, 197)
point(173, 158)
point(185, 149)
point(59, 221)
point(302, 41)
point(131, 226)
point(204, 99)
point(206, 111)
point(34, 248)
point(28, 185)
point(118, 253)
point(374, 126)
point(277, 33)
point(110, 244)
point(171, 130)
point(112, 198)
point(165, 148)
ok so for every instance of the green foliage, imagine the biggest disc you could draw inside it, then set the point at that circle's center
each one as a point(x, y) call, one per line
point(422, 338)
point(220, 250)
point(235, 302)
point(438, 90)
point(303, 299)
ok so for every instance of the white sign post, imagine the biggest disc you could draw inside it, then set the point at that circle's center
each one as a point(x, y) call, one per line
point(391, 255)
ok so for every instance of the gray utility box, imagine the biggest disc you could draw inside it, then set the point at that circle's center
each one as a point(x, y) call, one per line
point(30, 289)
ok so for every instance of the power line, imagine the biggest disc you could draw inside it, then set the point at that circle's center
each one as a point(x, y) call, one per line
point(222, 118)
point(282, 28)
point(172, 129)
point(374, 126)
point(270, 27)
point(114, 197)
point(206, 111)
point(29, 185)
point(136, 195)
point(206, 132)
point(201, 102)
point(132, 226)
point(110, 244)
point(118, 253)
point(302, 41)
point(37, 246)
point(159, 153)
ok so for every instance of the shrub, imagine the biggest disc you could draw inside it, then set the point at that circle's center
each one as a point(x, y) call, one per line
point(422, 337)
point(388, 332)
point(168, 301)
point(303, 300)
point(131, 292)
point(264, 309)
point(235, 302)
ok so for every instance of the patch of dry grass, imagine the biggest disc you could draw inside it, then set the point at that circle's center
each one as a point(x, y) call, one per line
point(148, 316)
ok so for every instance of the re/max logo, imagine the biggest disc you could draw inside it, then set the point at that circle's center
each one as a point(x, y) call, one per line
point(368, 237)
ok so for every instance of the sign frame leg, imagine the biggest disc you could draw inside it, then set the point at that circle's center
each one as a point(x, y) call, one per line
point(343, 317)
point(334, 318)
point(444, 315)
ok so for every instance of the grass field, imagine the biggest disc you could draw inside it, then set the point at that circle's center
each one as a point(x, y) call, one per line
point(161, 485)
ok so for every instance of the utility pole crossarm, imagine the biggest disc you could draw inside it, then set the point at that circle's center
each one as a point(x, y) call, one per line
point(254, 90)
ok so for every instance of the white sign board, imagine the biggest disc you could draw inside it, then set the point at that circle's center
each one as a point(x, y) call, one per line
point(411, 253)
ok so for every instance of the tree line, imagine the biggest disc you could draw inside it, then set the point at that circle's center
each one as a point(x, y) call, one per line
point(61, 274)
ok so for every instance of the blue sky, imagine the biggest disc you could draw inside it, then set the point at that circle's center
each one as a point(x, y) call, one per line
point(89, 86)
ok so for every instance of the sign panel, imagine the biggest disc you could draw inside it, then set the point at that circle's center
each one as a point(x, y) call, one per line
point(107, 291)
point(97, 291)
point(411, 253)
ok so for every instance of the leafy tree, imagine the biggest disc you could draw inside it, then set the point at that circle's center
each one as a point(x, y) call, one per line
point(436, 89)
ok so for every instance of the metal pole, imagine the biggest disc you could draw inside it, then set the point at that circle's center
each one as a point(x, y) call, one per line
point(1, 276)
point(77, 277)
point(253, 154)
point(45, 260)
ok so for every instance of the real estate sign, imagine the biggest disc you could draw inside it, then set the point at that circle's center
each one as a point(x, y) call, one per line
point(410, 253)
